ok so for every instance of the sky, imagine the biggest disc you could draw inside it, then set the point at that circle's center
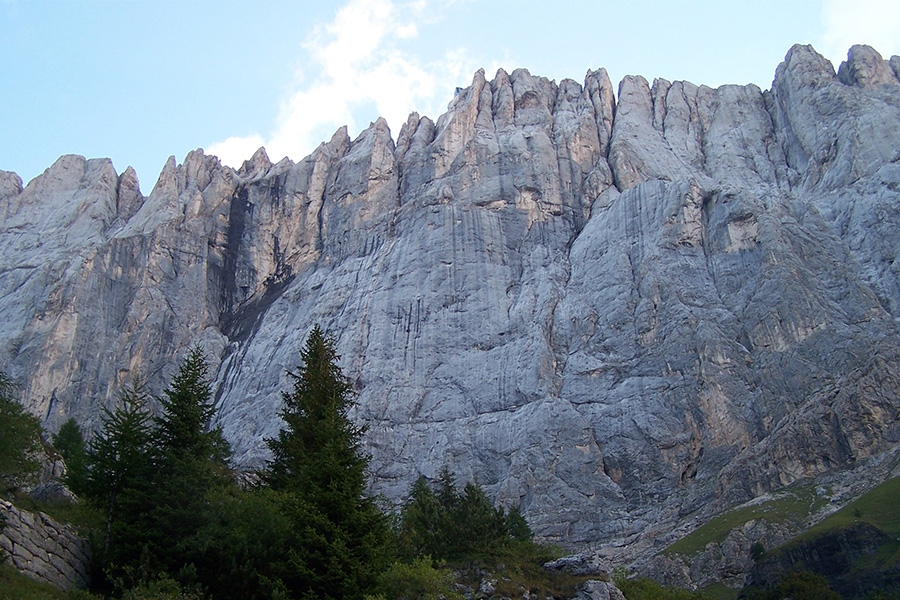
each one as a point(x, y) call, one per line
point(140, 80)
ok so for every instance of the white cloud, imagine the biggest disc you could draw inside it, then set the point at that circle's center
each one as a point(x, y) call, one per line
point(356, 62)
point(848, 22)
point(235, 150)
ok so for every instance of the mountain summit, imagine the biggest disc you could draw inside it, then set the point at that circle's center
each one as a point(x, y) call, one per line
point(618, 312)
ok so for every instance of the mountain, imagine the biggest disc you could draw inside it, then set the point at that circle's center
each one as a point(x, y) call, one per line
point(623, 313)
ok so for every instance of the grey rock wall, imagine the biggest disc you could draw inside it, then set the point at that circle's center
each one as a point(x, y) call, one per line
point(43, 549)
point(617, 312)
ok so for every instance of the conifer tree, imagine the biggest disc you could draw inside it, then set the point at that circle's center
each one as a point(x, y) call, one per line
point(69, 442)
point(119, 470)
point(448, 524)
point(340, 535)
point(192, 464)
point(187, 412)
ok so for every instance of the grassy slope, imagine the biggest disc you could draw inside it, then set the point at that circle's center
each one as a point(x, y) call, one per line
point(15, 586)
point(793, 504)
point(879, 507)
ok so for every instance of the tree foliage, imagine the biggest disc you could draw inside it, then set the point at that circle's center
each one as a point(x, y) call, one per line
point(119, 461)
point(237, 551)
point(20, 441)
point(339, 535)
point(177, 525)
point(183, 429)
point(191, 467)
point(418, 580)
point(319, 447)
point(447, 524)
point(154, 479)
point(69, 442)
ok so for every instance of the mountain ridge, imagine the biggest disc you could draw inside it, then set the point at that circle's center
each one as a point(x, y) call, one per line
point(615, 312)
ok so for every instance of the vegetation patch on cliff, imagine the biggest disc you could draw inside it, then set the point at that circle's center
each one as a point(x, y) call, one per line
point(794, 504)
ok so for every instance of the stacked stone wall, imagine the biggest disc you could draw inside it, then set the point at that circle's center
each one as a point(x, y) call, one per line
point(44, 549)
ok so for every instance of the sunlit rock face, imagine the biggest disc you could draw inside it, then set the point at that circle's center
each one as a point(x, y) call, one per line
point(615, 311)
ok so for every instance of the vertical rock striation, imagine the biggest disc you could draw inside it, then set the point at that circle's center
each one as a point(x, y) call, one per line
point(616, 314)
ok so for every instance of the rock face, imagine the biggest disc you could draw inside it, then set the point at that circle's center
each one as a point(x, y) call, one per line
point(615, 312)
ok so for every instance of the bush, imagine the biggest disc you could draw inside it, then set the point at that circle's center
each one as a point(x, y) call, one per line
point(757, 552)
point(163, 588)
point(418, 580)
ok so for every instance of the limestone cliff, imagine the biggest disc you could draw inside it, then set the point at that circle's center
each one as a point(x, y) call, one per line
point(616, 311)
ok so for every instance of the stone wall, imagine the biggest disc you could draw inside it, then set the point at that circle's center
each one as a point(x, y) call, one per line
point(43, 549)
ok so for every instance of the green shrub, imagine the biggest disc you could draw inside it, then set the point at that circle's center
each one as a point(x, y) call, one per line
point(163, 588)
point(418, 580)
point(757, 552)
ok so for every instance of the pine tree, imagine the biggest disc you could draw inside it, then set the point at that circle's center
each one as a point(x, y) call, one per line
point(424, 523)
point(187, 412)
point(340, 535)
point(192, 465)
point(119, 470)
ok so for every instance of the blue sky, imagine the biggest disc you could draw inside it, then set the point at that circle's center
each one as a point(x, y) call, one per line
point(139, 80)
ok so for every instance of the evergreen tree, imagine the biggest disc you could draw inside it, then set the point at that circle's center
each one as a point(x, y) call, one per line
point(20, 438)
point(450, 525)
point(237, 552)
point(424, 523)
point(154, 477)
point(340, 536)
point(319, 448)
point(119, 470)
point(183, 429)
point(69, 442)
point(192, 466)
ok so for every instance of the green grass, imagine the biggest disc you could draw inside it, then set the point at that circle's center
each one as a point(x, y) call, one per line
point(647, 589)
point(887, 554)
point(15, 586)
point(792, 504)
point(879, 507)
point(719, 591)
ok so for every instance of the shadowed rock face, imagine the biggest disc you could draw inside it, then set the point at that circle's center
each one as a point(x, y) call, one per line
point(615, 314)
